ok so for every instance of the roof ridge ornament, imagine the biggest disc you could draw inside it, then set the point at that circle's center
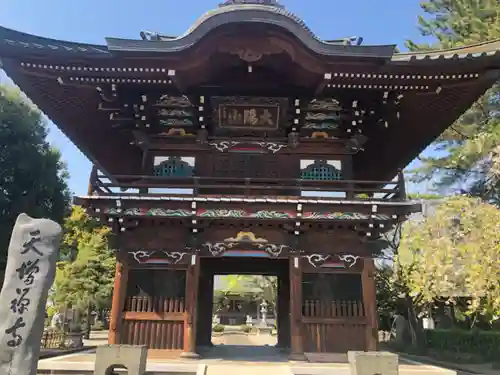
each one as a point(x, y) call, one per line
point(273, 3)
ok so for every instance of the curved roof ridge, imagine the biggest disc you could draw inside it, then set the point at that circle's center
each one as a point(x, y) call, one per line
point(11, 36)
point(250, 6)
point(444, 51)
point(482, 48)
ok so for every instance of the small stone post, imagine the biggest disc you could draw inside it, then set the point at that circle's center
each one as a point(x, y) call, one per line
point(31, 266)
point(373, 363)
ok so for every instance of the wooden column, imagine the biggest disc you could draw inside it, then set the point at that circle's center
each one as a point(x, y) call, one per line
point(118, 301)
point(297, 346)
point(192, 283)
point(370, 303)
point(283, 312)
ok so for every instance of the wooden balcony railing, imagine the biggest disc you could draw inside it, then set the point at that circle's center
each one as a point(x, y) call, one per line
point(351, 189)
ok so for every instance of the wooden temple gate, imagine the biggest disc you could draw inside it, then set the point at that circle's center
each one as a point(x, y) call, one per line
point(247, 114)
point(324, 302)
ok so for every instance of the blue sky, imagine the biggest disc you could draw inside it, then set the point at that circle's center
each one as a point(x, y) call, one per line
point(378, 22)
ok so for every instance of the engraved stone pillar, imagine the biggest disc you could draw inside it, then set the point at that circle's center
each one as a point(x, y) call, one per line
point(373, 363)
point(31, 267)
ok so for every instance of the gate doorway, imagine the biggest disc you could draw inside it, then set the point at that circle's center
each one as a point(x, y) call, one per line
point(211, 269)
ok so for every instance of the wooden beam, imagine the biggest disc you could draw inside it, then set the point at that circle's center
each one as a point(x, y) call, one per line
point(118, 301)
point(192, 283)
point(370, 303)
point(297, 345)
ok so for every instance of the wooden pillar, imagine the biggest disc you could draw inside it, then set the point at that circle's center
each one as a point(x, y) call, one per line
point(118, 301)
point(297, 346)
point(370, 303)
point(192, 283)
point(283, 312)
point(204, 310)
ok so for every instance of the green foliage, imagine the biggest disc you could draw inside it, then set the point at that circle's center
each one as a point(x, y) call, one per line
point(471, 147)
point(266, 287)
point(246, 329)
point(33, 179)
point(218, 328)
point(453, 253)
point(387, 296)
point(484, 344)
point(425, 197)
point(88, 278)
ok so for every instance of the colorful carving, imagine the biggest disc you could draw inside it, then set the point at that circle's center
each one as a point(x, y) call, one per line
point(342, 216)
point(324, 105)
point(245, 244)
point(319, 116)
point(157, 257)
point(321, 125)
point(177, 132)
point(173, 101)
point(245, 237)
point(149, 212)
point(320, 135)
point(176, 122)
point(223, 146)
point(241, 213)
point(332, 260)
point(174, 113)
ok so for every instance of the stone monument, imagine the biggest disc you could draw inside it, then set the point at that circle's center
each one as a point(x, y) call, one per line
point(31, 266)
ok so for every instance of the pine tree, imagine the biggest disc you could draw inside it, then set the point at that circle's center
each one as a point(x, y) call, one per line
point(471, 145)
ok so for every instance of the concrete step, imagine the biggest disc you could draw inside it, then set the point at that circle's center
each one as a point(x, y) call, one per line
point(87, 368)
point(248, 369)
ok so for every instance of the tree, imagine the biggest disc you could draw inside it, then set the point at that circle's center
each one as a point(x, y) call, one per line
point(33, 179)
point(84, 279)
point(471, 147)
point(455, 252)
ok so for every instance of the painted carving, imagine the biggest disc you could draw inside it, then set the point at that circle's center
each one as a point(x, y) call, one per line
point(177, 132)
point(176, 122)
point(223, 146)
point(324, 105)
point(245, 244)
point(332, 260)
point(240, 213)
point(173, 101)
point(341, 216)
point(321, 125)
point(246, 237)
point(149, 212)
point(157, 257)
point(319, 116)
point(174, 113)
point(320, 135)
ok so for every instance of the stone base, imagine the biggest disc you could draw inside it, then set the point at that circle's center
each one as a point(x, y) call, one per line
point(189, 355)
point(131, 357)
point(73, 340)
point(298, 357)
point(370, 363)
